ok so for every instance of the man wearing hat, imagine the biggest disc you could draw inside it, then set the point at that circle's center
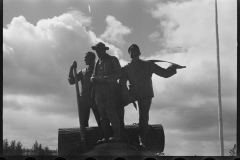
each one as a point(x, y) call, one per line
point(139, 74)
point(84, 76)
point(106, 72)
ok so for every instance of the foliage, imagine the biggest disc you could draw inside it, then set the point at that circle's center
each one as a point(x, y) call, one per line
point(35, 148)
point(16, 149)
point(233, 151)
point(13, 148)
point(6, 147)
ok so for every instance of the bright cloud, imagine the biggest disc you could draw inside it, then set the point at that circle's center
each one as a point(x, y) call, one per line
point(154, 36)
point(41, 53)
point(115, 31)
point(36, 61)
point(38, 56)
point(192, 90)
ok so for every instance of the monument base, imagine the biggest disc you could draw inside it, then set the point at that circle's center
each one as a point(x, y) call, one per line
point(69, 142)
point(116, 150)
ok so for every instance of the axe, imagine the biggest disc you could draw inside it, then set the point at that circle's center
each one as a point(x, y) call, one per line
point(174, 64)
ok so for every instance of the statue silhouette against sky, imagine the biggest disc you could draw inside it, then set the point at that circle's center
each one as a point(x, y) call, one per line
point(139, 74)
point(107, 91)
point(84, 75)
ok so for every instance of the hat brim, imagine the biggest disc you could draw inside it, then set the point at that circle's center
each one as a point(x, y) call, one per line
point(94, 48)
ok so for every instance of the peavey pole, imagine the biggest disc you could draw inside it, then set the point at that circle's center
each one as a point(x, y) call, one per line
point(80, 112)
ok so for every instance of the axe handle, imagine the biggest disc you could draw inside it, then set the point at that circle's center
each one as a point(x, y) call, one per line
point(80, 112)
point(167, 62)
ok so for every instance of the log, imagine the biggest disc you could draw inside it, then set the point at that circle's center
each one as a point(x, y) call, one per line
point(69, 139)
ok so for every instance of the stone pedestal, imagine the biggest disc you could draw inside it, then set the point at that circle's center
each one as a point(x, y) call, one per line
point(69, 139)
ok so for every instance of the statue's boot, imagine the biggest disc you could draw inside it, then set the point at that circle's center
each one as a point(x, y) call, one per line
point(117, 135)
point(116, 128)
point(105, 125)
point(142, 140)
point(124, 136)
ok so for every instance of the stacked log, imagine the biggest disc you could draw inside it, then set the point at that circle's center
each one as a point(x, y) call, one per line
point(69, 139)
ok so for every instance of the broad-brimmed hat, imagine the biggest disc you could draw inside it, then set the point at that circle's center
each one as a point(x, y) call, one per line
point(101, 46)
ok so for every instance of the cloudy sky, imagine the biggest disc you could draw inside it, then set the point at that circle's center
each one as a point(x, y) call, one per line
point(42, 38)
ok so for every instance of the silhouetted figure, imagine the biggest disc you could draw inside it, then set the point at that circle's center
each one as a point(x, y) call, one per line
point(84, 76)
point(107, 71)
point(139, 74)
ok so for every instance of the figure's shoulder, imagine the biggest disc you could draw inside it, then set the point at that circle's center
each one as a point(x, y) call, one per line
point(144, 61)
point(113, 58)
point(127, 65)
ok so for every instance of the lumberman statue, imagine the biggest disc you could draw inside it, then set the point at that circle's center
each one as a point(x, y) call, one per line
point(139, 74)
point(107, 91)
point(84, 76)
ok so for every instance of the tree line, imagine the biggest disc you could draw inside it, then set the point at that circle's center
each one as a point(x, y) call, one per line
point(14, 148)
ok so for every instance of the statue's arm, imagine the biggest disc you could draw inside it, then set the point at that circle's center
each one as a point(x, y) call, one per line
point(123, 81)
point(71, 77)
point(117, 71)
point(166, 73)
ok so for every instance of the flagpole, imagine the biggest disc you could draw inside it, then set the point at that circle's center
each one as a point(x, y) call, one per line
point(219, 88)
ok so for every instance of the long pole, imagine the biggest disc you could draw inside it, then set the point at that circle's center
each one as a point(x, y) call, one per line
point(80, 112)
point(219, 88)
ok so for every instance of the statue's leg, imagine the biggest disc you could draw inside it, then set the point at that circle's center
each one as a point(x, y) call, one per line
point(114, 119)
point(120, 113)
point(144, 107)
point(86, 110)
point(105, 125)
point(95, 112)
point(112, 113)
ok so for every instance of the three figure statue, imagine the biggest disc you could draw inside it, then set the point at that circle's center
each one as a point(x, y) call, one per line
point(105, 90)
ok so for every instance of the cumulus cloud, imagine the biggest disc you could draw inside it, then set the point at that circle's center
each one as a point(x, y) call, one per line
point(115, 31)
point(154, 36)
point(188, 100)
point(39, 56)
point(36, 62)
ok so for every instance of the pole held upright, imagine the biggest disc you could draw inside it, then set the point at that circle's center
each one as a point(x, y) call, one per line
point(80, 112)
point(219, 88)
